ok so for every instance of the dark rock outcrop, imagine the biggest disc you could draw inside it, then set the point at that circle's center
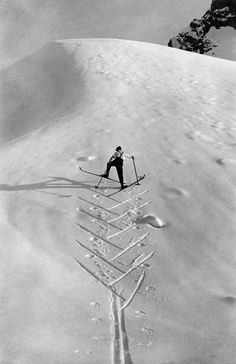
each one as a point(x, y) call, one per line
point(221, 14)
point(220, 4)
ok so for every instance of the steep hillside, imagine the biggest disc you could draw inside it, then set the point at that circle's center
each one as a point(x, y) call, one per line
point(71, 104)
point(27, 25)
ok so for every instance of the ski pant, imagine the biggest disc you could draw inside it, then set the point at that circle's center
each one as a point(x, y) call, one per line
point(119, 168)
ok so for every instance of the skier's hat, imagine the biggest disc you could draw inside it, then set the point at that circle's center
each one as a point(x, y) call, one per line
point(118, 148)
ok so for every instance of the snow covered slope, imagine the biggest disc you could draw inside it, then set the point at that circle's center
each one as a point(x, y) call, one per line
point(27, 25)
point(71, 104)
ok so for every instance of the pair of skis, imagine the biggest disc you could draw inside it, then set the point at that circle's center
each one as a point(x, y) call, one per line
point(114, 180)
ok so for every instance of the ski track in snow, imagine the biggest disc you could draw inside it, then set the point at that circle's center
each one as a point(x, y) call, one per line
point(74, 102)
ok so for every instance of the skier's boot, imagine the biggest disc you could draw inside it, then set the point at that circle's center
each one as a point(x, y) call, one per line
point(123, 187)
point(105, 175)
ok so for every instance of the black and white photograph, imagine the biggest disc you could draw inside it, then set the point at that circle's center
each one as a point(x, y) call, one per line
point(117, 182)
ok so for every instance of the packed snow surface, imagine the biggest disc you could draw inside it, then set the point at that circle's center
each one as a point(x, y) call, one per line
point(69, 105)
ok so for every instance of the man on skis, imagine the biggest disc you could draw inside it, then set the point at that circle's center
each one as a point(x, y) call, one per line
point(117, 161)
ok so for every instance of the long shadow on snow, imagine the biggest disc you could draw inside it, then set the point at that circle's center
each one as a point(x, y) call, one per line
point(49, 185)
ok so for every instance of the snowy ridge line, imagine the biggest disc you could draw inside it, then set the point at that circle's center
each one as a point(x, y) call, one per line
point(99, 237)
point(129, 199)
point(129, 211)
point(132, 268)
point(98, 279)
point(100, 257)
point(98, 206)
point(141, 238)
point(120, 232)
point(99, 218)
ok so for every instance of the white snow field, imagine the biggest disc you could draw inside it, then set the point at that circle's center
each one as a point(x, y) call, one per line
point(69, 105)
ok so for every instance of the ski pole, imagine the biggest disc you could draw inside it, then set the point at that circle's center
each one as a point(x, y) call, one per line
point(99, 182)
point(135, 171)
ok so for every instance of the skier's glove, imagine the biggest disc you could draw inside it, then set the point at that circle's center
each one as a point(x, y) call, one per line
point(132, 157)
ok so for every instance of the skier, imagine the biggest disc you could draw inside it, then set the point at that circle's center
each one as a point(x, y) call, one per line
point(117, 161)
